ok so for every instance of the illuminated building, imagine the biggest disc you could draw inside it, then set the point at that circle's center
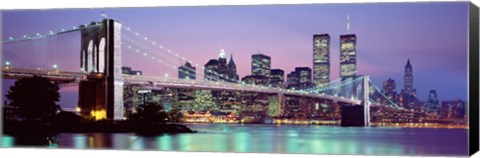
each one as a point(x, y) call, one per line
point(432, 102)
point(186, 96)
point(219, 70)
point(304, 77)
point(453, 109)
point(261, 65)
point(390, 90)
point(129, 71)
point(255, 80)
point(277, 78)
point(408, 94)
point(408, 80)
point(211, 70)
point(292, 80)
point(348, 56)
point(222, 67)
point(321, 59)
point(187, 71)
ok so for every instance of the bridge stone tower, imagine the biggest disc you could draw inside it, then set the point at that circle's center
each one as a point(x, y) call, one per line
point(101, 95)
point(358, 115)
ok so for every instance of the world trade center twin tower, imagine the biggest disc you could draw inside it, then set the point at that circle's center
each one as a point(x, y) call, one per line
point(321, 58)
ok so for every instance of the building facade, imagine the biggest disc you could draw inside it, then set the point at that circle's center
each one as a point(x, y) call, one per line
point(292, 80)
point(232, 70)
point(348, 56)
point(432, 103)
point(261, 65)
point(304, 77)
point(187, 71)
point(453, 109)
point(408, 95)
point(277, 78)
point(321, 59)
point(390, 90)
point(408, 80)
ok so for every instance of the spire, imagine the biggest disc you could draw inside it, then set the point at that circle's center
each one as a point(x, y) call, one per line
point(408, 63)
point(348, 23)
point(231, 62)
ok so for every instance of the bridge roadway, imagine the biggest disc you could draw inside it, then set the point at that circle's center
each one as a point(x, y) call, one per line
point(155, 82)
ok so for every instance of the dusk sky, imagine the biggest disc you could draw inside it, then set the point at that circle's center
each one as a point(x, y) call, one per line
point(433, 36)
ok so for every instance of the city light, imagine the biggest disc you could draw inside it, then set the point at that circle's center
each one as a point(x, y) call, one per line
point(55, 66)
point(7, 63)
point(98, 114)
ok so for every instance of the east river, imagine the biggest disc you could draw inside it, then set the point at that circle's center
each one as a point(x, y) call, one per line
point(271, 139)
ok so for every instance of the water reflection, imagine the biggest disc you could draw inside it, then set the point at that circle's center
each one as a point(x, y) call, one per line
point(270, 139)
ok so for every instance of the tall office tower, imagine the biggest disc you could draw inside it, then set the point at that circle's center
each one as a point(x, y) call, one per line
point(348, 56)
point(408, 80)
point(261, 65)
point(222, 67)
point(187, 71)
point(321, 59)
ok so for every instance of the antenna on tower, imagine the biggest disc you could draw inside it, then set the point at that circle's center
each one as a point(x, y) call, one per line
point(348, 23)
point(103, 14)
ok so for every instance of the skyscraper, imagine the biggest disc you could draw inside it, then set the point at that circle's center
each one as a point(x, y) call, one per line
point(232, 69)
point(261, 65)
point(321, 59)
point(409, 94)
point(348, 56)
point(408, 80)
point(187, 71)
point(222, 67)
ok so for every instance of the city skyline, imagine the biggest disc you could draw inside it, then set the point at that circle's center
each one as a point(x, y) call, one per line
point(295, 37)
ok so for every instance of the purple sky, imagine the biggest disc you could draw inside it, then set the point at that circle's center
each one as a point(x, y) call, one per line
point(433, 35)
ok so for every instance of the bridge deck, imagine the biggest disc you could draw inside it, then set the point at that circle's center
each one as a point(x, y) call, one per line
point(154, 81)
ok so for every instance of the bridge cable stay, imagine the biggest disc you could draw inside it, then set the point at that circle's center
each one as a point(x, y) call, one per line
point(164, 49)
point(137, 52)
point(392, 103)
point(157, 58)
point(41, 51)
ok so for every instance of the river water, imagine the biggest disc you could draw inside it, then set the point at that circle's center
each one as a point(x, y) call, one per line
point(272, 139)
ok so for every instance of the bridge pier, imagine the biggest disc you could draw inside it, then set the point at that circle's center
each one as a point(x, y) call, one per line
point(100, 55)
point(352, 116)
point(358, 115)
